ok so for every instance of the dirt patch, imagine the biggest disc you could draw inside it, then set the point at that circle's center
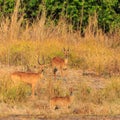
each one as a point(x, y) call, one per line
point(39, 117)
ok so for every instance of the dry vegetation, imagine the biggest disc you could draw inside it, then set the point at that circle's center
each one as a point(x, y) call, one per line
point(93, 57)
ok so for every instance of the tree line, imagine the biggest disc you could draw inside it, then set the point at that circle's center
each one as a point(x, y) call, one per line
point(75, 12)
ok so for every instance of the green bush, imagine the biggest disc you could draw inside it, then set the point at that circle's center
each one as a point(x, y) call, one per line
point(74, 11)
point(10, 93)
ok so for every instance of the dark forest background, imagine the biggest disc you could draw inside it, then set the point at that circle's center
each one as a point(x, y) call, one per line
point(75, 12)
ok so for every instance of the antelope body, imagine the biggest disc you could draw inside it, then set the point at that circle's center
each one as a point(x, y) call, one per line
point(61, 102)
point(28, 77)
point(60, 63)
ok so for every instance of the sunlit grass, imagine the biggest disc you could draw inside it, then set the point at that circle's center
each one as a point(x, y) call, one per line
point(88, 100)
point(10, 93)
point(110, 92)
point(23, 46)
point(85, 55)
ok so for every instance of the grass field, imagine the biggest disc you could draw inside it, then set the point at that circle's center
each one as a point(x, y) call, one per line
point(93, 69)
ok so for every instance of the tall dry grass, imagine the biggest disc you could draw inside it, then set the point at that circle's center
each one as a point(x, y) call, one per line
point(20, 45)
point(96, 51)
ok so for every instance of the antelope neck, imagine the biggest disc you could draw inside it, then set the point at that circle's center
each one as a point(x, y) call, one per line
point(66, 60)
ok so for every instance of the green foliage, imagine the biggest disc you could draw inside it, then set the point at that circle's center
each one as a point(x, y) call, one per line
point(11, 93)
point(107, 14)
point(75, 12)
point(6, 7)
point(32, 8)
point(15, 94)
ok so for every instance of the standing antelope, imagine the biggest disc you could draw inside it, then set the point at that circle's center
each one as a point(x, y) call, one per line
point(62, 102)
point(29, 77)
point(60, 63)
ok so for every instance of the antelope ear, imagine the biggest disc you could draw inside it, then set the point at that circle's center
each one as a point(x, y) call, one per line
point(64, 49)
point(39, 60)
point(68, 49)
point(43, 59)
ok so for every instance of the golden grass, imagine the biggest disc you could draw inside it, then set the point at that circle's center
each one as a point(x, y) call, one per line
point(94, 52)
point(110, 92)
point(87, 55)
point(21, 46)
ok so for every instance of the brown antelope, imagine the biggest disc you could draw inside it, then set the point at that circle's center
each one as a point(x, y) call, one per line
point(60, 63)
point(62, 102)
point(28, 77)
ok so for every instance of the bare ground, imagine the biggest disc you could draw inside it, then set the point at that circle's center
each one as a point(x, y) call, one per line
point(85, 117)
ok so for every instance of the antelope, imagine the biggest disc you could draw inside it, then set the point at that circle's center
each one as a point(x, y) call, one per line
point(62, 102)
point(29, 77)
point(60, 63)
